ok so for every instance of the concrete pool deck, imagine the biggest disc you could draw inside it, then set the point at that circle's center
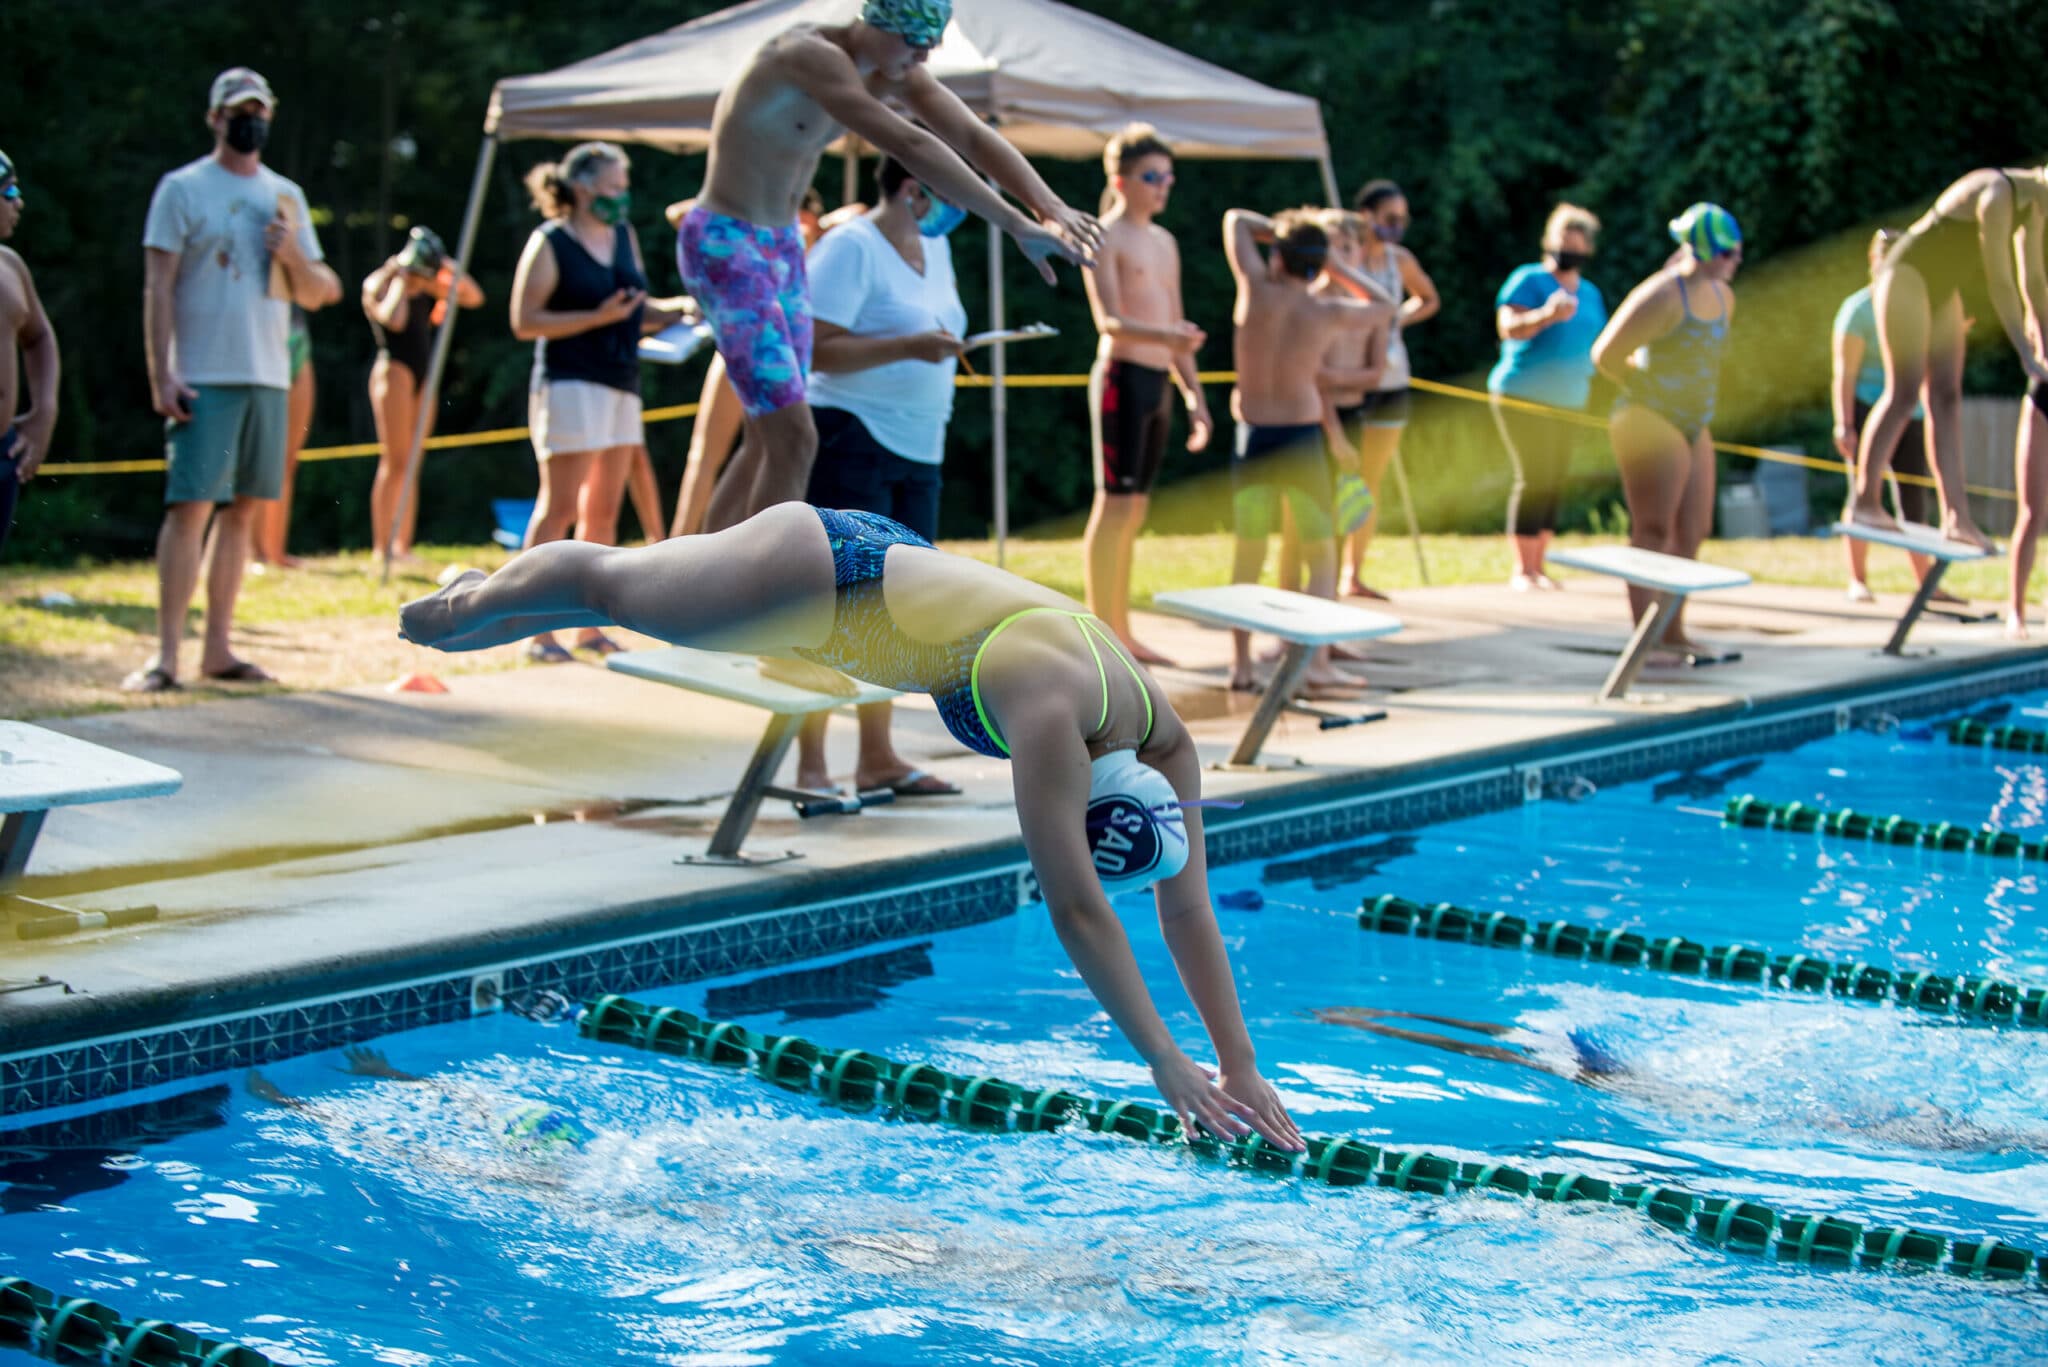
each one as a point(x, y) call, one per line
point(324, 841)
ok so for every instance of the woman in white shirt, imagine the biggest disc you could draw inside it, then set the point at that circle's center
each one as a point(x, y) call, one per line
point(889, 324)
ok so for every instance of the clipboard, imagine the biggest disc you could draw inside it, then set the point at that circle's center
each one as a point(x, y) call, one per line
point(1028, 332)
point(676, 343)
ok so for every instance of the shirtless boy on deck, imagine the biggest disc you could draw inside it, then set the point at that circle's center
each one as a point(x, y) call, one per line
point(24, 437)
point(1283, 334)
point(739, 249)
point(1146, 344)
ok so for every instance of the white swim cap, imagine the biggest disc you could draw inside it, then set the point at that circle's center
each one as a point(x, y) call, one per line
point(1136, 835)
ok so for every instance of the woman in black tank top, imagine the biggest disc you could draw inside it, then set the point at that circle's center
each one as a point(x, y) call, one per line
point(1953, 266)
point(403, 299)
point(580, 295)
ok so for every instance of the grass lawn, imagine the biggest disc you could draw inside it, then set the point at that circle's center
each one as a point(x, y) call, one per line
point(68, 636)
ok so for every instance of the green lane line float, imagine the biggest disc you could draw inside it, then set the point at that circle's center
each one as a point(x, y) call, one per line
point(2024, 739)
point(857, 1080)
point(76, 1330)
point(1754, 813)
point(1972, 997)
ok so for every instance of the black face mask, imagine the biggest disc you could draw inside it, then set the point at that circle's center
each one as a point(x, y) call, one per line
point(1571, 261)
point(248, 133)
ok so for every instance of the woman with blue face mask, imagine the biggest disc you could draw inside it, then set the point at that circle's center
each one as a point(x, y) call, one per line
point(889, 322)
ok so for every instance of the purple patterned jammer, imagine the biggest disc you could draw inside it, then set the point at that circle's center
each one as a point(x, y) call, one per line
point(750, 282)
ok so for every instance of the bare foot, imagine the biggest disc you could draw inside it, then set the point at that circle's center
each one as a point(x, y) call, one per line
point(1968, 533)
point(429, 620)
point(2016, 626)
point(815, 781)
point(1329, 685)
point(1242, 680)
point(1143, 653)
point(1350, 653)
point(1358, 588)
point(1271, 655)
point(1944, 596)
point(1864, 515)
point(803, 674)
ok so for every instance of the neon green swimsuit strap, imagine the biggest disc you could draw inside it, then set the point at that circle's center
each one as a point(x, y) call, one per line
point(1090, 629)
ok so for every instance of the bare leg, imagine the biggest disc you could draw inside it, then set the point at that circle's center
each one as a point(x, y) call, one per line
point(646, 495)
point(1656, 470)
point(1945, 348)
point(2033, 482)
point(1376, 448)
point(224, 581)
point(1320, 557)
point(274, 526)
point(812, 769)
point(712, 438)
point(765, 585)
point(773, 466)
point(556, 507)
point(598, 500)
point(1107, 547)
point(394, 404)
point(1288, 575)
point(1900, 300)
point(1695, 522)
point(180, 545)
point(1247, 563)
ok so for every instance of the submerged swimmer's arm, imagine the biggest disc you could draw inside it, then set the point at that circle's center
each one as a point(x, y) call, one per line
point(1187, 920)
point(1051, 772)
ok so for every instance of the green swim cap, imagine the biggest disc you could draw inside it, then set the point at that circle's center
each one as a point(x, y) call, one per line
point(920, 23)
point(1708, 229)
point(540, 1126)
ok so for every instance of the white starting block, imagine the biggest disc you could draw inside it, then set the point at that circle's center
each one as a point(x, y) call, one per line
point(1669, 578)
point(1303, 622)
point(41, 769)
point(738, 678)
point(1920, 540)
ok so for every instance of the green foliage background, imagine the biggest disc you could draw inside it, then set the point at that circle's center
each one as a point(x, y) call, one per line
point(1811, 119)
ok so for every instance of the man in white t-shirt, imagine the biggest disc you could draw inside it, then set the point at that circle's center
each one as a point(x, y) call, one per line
point(228, 249)
point(889, 324)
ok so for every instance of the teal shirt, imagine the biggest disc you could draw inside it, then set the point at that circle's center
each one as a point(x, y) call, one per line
point(1556, 365)
point(1858, 318)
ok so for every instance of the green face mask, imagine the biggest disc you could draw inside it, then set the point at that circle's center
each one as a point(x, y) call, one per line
point(612, 208)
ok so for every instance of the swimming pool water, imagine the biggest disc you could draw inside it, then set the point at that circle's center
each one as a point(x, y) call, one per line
point(711, 1218)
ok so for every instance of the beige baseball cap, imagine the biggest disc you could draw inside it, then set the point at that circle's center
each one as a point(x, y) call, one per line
point(239, 83)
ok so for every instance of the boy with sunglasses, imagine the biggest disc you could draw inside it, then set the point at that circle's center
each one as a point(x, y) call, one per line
point(23, 324)
point(1134, 292)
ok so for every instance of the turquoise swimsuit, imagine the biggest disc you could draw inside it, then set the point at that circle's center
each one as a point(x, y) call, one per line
point(1683, 378)
point(867, 643)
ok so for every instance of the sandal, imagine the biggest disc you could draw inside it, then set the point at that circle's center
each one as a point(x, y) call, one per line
point(151, 680)
point(601, 645)
point(241, 671)
point(548, 653)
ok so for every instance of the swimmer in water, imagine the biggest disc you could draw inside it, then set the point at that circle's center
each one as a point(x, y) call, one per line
point(1593, 1064)
point(1107, 779)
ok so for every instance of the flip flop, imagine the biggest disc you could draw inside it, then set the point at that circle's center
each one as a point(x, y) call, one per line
point(548, 654)
point(913, 784)
point(151, 680)
point(603, 645)
point(241, 671)
point(1701, 659)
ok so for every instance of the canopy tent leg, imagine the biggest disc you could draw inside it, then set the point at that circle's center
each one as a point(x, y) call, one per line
point(444, 338)
point(849, 171)
point(1329, 171)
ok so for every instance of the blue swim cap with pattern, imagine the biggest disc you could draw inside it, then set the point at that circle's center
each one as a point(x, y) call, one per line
point(1708, 229)
point(920, 23)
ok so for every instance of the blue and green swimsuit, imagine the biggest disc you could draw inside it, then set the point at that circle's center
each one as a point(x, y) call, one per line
point(867, 643)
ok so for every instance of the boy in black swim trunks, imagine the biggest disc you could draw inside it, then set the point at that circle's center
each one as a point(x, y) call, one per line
point(1146, 344)
point(1283, 332)
point(24, 435)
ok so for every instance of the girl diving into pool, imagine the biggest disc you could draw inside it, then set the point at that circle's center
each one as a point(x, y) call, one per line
point(1104, 772)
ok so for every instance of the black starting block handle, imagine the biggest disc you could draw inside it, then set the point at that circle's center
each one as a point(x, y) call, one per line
point(1337, 721)
point(809, 804)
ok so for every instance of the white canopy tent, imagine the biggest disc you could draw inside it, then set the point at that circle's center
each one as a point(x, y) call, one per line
point(1055, 81)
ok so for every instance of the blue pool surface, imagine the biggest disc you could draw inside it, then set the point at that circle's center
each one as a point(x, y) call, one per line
point(712, 1218)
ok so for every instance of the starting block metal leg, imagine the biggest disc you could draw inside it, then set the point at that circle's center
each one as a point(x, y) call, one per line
point(1286, 678)
point(1897, 644)
point(18, 832)
point(1649, 632)
point(739, 816)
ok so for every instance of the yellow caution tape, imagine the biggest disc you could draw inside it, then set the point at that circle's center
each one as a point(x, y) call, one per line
point(686, 410)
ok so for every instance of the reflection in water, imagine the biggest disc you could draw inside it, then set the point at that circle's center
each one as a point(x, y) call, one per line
point(51, 1163)
point(838, 989)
